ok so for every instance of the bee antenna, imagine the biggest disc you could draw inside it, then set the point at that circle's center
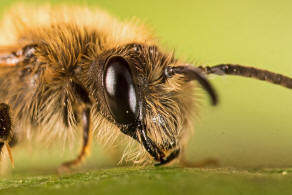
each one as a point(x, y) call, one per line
point(245, 71)
point(193, 73)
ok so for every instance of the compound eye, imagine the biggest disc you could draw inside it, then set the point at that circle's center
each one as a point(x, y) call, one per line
point(120, 93)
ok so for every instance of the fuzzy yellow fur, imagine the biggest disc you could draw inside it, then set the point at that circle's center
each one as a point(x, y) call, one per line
point(22, 21)
point(55, 26)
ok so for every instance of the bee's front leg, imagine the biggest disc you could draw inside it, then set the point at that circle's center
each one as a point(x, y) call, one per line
point(84, 109)
point(208, 162)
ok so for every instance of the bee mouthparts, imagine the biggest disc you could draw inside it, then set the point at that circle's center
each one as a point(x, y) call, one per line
point(168, 158)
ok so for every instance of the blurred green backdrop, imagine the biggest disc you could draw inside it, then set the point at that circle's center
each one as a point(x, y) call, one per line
point(252, 125)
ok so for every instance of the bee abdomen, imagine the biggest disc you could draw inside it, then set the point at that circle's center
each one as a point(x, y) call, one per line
point(5, 123)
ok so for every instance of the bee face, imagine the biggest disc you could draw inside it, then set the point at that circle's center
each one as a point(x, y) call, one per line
point(142, 101)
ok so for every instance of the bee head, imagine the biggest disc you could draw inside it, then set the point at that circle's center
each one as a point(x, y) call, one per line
point(149, 97)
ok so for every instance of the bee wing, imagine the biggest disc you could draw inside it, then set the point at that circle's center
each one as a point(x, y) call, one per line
point(10, 55)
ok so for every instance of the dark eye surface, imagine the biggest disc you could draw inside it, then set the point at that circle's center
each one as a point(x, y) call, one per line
point(120, 91)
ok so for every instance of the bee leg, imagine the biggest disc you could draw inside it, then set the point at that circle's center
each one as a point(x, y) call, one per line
point(86, 141)
point(198, 164)
point(6, 133)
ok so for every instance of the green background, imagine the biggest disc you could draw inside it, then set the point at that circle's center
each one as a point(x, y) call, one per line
point(251, 127)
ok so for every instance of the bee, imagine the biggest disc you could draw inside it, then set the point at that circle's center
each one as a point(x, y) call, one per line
point(70, 69)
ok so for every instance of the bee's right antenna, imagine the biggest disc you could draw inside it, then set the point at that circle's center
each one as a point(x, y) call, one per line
point(193, 73)
point(245, 71)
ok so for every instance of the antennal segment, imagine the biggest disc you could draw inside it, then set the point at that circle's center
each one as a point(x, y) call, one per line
point(245, 71)
point(193, 73)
